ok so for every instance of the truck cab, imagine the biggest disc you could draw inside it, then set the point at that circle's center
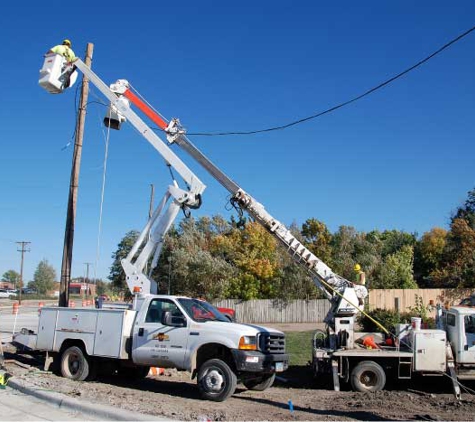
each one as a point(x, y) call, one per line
point(186, 333)
point(459, 323)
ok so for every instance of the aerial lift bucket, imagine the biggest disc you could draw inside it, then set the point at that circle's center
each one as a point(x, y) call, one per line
point(55, 73)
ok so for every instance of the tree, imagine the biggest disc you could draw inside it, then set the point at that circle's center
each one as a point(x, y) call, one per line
point(317, 238)
point(428, 255)
point(253, 252)
point(458, 263)
point(11, 276)
point(44, 277)
point(397, 271)
point(117, 275)
point(467, 211)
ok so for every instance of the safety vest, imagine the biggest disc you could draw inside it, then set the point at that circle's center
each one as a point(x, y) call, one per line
point(360, 278)
point(64, 51)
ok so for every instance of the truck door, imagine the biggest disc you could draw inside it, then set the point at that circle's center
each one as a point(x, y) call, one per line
point(468, 340)
point(158, 345)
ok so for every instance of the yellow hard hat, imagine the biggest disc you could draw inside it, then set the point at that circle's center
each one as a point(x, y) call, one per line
point(67, 42)
point(357, 267)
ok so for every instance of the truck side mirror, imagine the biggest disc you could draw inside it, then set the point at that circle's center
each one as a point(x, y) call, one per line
point(173, 321)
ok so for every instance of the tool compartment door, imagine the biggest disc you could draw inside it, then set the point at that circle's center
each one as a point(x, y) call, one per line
point(108, 338)
point(429, 350)
point(46, 329)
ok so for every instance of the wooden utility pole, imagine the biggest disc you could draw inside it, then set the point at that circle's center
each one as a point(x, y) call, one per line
point(23, 249)
point(73, 188)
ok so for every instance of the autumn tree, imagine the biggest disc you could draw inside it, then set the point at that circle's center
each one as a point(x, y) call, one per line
point(428, 255)
point(458, 263)
point(252, 251)
point(317, 238)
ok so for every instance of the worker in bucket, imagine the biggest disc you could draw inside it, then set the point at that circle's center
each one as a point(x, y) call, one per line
point(64, 50)
point(68, 69)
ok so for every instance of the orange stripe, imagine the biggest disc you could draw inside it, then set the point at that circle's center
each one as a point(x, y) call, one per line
point(146, 109)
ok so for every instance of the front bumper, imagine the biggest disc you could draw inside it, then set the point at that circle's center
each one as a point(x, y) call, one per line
point(254, 361)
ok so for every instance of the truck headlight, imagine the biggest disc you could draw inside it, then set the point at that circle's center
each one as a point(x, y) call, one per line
point(248, 343)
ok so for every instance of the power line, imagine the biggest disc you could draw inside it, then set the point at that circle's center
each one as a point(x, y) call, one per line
point(352, 100)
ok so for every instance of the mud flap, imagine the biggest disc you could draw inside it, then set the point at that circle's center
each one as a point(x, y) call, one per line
point(336, 379)
point(455, 383)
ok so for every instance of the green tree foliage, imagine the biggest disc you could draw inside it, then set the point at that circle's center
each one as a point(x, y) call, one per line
point(467, 211)
point(117, 275)
point(11, 276)
point(44, 277)
point(192, 263)
point(396, 271)
point(318, 239)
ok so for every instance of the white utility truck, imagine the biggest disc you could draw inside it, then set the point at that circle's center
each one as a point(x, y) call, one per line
point(339, 349)
point(159, 331)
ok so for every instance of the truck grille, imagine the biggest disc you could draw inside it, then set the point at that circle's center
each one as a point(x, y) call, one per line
point(272, 343)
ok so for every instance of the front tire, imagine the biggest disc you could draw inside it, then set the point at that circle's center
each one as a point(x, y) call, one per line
point(261, 383)
point(75, 364)
point(368, 376)
point(216, 380)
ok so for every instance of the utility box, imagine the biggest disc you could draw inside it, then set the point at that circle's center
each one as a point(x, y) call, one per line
point(104, 332)
point(429, 350)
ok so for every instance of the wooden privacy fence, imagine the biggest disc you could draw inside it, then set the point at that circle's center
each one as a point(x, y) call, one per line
point(315, 310)
point(275, 311)
point(403, 299)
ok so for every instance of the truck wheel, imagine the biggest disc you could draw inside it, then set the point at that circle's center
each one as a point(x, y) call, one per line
point(368, 376)
point(216, 380)
point(260, 384)
point(75, 364)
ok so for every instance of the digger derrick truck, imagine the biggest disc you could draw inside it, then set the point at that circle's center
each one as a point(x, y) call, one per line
point(338, 350)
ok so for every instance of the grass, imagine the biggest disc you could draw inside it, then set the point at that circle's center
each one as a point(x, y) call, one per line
point(299, 347)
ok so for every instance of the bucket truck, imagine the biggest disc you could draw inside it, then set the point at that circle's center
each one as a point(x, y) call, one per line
point(362, 359)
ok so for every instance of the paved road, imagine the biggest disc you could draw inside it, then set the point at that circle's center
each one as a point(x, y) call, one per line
point(16, 406)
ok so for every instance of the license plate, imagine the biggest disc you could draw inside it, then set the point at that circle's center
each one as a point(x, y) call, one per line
point(279, 366)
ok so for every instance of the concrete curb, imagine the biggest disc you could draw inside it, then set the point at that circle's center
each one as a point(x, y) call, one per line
point(63, 401)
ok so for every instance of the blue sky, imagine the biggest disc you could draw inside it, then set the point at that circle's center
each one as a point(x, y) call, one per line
point(402, 158)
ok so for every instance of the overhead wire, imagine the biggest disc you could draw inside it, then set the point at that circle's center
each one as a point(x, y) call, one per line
point(345, 103)
point(101, 208)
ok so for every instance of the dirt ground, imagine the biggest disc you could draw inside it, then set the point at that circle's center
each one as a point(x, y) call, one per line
point(175, 396)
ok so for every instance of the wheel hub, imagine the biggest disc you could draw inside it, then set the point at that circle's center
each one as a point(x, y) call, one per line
point(214, 380)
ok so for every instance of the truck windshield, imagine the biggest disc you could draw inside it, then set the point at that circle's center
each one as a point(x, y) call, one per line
point(200, 311)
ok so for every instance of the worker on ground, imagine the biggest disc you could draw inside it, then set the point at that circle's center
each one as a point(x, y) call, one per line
point(64, 50)
point(360, 280)
point(360, 277)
